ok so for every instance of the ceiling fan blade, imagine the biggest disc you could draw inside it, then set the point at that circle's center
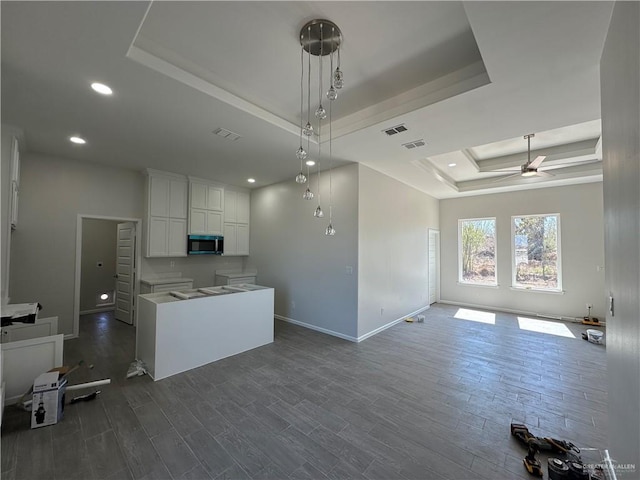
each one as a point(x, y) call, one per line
point(499, 179)
point(537, 161)
point(541, 173)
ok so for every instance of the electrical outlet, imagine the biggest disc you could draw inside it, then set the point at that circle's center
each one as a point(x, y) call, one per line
point(172, 264)
point(349, 270)
point(381, 311)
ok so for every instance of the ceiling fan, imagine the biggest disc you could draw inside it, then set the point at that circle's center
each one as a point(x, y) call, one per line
point(530, 168)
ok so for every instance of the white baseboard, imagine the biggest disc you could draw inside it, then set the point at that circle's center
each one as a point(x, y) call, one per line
point(316, 328)
point(349, 337)
point(511, 310)
point(391, 324)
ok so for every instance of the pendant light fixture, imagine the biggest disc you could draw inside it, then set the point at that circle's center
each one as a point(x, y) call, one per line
point(318, 38)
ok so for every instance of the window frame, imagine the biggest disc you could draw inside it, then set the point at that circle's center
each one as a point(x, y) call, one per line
point(514, 284)
point(461, 280)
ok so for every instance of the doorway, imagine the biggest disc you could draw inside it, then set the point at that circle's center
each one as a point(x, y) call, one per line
point(107, 267)
point(434, 266)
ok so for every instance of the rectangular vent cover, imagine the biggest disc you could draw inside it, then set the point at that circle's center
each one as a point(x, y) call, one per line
point(224, 133)
point(396, 129)
point(414, 144)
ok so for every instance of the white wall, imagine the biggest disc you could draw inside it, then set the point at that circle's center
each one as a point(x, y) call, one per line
point(582, 249)
point(393, 223)
point(53, 192)
point(620, 85)
point(306, 267)
point(99, 243)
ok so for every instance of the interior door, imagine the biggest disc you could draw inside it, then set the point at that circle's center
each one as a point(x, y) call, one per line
point(125, 272)
point(434, 265)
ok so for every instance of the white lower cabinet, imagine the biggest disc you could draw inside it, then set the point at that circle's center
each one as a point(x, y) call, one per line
point(167, 237)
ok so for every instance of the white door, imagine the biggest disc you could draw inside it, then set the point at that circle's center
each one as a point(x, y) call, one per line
point(434, 265)
point(125, 272)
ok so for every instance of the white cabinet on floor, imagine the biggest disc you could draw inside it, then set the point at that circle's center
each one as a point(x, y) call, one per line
point(166, 214)
point(236, 222)
point(206, 207)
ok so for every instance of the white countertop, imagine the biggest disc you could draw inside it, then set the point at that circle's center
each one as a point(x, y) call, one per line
point(164, 280)
point(203, 292)
point(237, 274)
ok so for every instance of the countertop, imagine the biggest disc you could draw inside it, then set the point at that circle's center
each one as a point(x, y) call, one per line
point(201, 293)
point(165, 280)
point(236, 274)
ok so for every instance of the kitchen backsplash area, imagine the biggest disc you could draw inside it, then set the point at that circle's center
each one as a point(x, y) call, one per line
point(202, 269)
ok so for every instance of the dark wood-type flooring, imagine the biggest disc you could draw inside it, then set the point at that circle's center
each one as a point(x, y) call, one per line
point(418, 401)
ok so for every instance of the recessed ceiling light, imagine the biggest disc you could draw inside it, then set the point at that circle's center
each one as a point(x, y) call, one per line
point(78, 140)
point(101, 88)
point(310, 163)
point(251, 180)
point(452, 164)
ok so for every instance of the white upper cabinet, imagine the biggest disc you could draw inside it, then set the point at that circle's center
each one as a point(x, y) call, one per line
point(230, 201)
point(236, 206)
point(242, 208)
point(236, 222)
point(206, 207)
point(166, 214)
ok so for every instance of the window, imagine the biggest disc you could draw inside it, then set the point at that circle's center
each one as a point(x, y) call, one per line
point(477, 251)
point(536, 252)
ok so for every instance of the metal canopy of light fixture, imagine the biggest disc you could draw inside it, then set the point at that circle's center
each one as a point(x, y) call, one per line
point(318, 38)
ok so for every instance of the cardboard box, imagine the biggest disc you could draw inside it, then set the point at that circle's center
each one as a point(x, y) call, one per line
point(48, 399)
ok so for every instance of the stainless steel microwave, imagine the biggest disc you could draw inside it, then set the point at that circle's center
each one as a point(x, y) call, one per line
point(205, 244)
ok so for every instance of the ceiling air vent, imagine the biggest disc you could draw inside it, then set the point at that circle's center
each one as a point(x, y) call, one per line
point(394, 130)
point(414, 144)
point(224, 133)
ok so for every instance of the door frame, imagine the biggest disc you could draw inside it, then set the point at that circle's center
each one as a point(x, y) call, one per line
point(437, 240)
point(138, 263)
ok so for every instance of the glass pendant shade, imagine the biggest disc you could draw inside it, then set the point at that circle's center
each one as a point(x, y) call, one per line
point(301, 178)
point(338, 78)
point(301, 153)
point(318, 213)
point(308, 129)
point(330, 230)
point(308, 194)
point(332, 93)
point(321, 113)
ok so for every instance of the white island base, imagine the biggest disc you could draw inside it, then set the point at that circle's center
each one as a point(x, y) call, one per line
point(174, 335)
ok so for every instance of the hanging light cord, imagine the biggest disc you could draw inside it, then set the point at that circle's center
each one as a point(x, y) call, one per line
point(331, 137)
point(319, 105)
point(301, 94)
point(309, 99)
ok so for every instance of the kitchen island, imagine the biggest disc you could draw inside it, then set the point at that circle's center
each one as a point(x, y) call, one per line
point(179, 331)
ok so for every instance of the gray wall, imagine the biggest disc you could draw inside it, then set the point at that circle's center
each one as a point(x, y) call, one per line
point(393, 223)
point(582, 249)
point(99, 242)
point(620, 84)
point(306, 267)
point(53, 192)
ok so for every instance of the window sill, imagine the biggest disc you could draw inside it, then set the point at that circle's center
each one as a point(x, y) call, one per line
point(481, 285)
point(537, 290)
